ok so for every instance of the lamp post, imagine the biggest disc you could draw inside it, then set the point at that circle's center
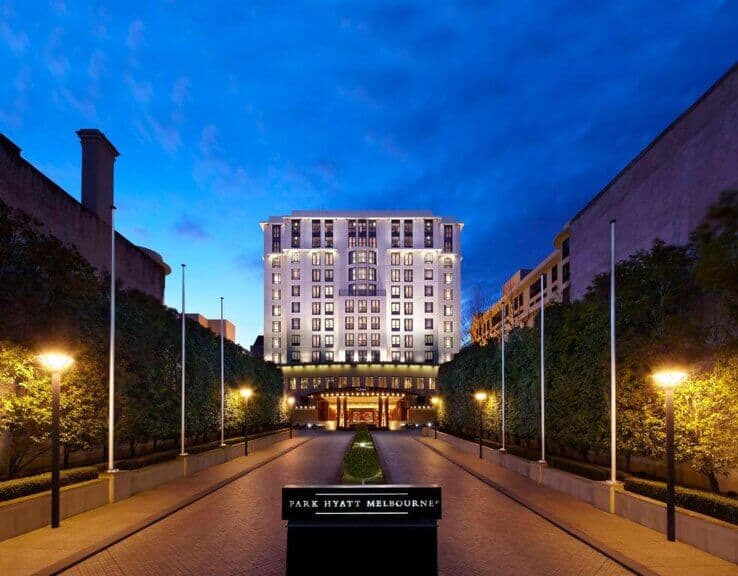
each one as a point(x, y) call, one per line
point(182, 399)
point(435, 400)
point(222, 379)
point(291, 404)
point(246, 393)
point(613, 382)
point(502, 347)
point(668, 380)
point(481, 397)
point(56, 363)
point(111, 359)
point(543, 372)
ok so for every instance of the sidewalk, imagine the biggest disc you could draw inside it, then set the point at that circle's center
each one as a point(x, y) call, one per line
point(47, 551)
point(642, 550)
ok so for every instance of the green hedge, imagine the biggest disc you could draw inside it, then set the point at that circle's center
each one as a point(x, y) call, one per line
point(361, 463)
point(18, 487)
point(591, 471)
point(709, 503)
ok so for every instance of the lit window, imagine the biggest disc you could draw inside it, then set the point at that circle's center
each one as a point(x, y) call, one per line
point(276, 294)
point(276, 262)
point(295, 273)
point(408, 259)
point(395, 341)
point(448, 294)
point(276, 310)
point(428, 273)
point(395, 324)
point(295, 323)
point(448, 342)
point(328, 292)
point(448, 310)
point(276, 278)
point(276, 343)
point(296, 290)
point(295, 257)
point(295, 307)
point(448, 326)
point(448, 278)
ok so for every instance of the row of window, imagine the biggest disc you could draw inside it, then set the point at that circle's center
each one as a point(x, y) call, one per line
point(333, 382)
point(361, 257)
point(448, 325)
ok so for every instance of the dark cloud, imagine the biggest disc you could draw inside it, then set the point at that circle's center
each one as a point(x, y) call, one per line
point(190, 228)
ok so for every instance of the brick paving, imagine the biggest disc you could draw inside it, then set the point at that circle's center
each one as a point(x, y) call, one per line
point(235, 530)
point(482, 531)
point(646, 547)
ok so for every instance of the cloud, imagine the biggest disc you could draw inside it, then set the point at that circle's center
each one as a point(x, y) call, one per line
point(181, 90)
point(189, 228)
point(16, 41)
point(56, 62)
point(142, 91)
point(96, 65)
point(211, 170)
point(166, 135)
point(134, 39)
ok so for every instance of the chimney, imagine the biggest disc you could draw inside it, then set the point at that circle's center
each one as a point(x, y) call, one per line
point(98, 157)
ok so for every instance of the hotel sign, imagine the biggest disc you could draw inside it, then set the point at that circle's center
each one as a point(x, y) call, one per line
point(361, 503)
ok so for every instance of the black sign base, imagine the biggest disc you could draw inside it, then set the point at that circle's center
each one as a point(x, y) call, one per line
point(382, 550)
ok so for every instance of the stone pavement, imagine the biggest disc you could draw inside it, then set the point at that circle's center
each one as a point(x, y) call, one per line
point(610, 533)
point(45, 550)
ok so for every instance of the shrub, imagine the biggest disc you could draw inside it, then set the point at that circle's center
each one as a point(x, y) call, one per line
point(361, 464)
point(18, 487)
point(709, 503)
point(591, 471)
point(523, 452)
point(146, 460)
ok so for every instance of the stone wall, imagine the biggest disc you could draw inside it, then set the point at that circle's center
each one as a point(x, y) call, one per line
point(663, 193)
point(25, 188)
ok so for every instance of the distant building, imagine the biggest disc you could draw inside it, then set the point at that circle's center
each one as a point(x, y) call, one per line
point(214, 325)
point(257, 348)
point(360, 308)
point(663, 193)
point(521, 294)
point(85, 225)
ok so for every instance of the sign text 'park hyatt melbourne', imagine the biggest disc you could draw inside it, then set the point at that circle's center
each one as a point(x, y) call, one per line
point(362, 503)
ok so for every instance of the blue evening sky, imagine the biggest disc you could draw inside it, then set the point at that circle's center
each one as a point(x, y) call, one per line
point(507, 115)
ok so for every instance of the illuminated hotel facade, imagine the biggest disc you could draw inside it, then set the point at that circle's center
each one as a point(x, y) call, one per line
point(360, 309)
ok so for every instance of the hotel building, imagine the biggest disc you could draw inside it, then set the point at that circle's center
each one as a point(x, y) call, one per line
point(360, 308)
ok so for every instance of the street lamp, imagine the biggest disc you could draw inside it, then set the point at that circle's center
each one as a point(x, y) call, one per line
point(435, 400)
point(668, 380)
point(245, 393)
point(291, 404)
point(480, 397)
point(56, 363)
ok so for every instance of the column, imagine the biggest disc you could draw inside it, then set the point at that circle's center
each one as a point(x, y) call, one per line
point(379, 413)
point(345, 412)
point(338, 412)
point(386, 412)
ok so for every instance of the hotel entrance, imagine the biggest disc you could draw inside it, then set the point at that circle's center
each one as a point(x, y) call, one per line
point(377, 409)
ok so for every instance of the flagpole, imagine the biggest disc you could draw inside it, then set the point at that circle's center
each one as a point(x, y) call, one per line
point(222, 379)
point(182, 424)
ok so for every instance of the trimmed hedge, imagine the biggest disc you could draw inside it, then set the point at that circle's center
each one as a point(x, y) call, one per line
point(18, 487)
point(591, 471)
point(361, 463)
point(709, 503)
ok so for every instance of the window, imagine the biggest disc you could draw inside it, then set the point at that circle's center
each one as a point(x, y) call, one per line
point(295, 273)
point(408, 355)
point(429, 307)
point(448, 310)
point(395, 307)
point(408, 341)
point(395, 341)
point(295, 257)
point(315, 257)
point(316, 308)
point(316, 325)
point(348, 322)
point(329, 275)
point(329, 341)
point(428, 291)
point(329, 324)
point(276, 294)
point(395, 258)
point(329, 307)
point(276, 310)
point(276, 343)
point(429, 323)
point(408, 275)
point(295, 323)
point(276, 278)
point(395, 291)
point(375, 306)
point(349, 338)
point(277, 357)
point(362, 353)
point(448, 278)
point(316, 274)
point(328, 292)
point(295, 339)
point(448, 262)
point(395, 274)
point(420, 382)
point(375, 322)
point(348, 306)
point(448, 294)
point(428, 233)
point(428, 258)
point(565, 272)
point(375, 339)
point(408, 324)
point(316, 341)
point(296, 290)
point(329, 258)
point(428, 274)
point(554, 273)
point(395, 233)
point(408, 307)
point(362, 338)
point(329, 357)
point(448, 342)
point(448, 326)
point(431, 381)
point(429, 357)
point(316, 291)
point(448, 238)
point(276, 262)
point(565, 249)
point(362, 323)
point(362, 306)
point(408, 259)
point(408, 233)
point(408, 291)
point(429, 339)
point(295, 307)
point(276, 238)
point(295, 355)
point(395, 324)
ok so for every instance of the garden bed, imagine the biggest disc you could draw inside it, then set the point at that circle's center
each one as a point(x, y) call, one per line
point(361, 463)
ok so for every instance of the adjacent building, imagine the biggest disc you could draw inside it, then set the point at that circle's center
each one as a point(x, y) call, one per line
point(662, 194)
point(229, 328)
point(84, 225)
point(360, 308)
